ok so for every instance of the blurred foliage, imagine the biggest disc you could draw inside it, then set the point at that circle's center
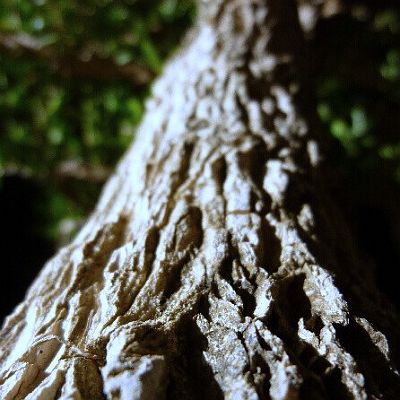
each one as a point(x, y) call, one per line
point(49, 116)
point(358, 90)
point(357, 80)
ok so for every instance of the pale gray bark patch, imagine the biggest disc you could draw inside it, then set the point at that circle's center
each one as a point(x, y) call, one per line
point(214, 266)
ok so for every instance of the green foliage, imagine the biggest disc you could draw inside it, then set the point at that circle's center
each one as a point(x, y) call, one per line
point(359, 93)
point(48, 117)
point(51, 117)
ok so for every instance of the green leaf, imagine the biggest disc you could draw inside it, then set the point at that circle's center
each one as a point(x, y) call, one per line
point(55, 135)
point(359, 122)
point(389, 151)
point(324, 112)
point(168, 8)
point(17, 132)
point(390, 70)
point(135, 109)
point(151, 56)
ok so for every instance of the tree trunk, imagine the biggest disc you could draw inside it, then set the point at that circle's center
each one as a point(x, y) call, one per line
point(215, 264)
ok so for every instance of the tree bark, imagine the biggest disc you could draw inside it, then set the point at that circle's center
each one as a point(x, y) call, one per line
point(215, 264)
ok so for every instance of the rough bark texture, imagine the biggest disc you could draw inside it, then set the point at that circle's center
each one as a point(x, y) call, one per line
point(214, 265)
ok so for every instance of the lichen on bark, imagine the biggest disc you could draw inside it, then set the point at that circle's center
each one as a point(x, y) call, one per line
point(215, 264)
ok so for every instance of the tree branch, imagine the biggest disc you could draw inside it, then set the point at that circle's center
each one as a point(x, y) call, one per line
point(65, 170)
point(71, 65)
